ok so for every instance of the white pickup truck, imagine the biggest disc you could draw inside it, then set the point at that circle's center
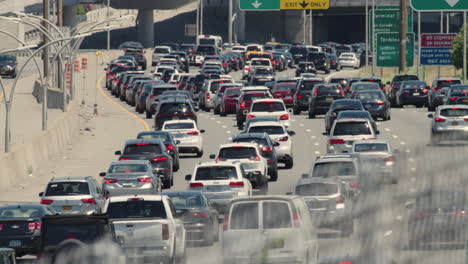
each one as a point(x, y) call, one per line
point(147, 229)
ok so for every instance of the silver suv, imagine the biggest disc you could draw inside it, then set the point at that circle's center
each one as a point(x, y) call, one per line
point(73, 195)
point(347, 130)
point(449, 122)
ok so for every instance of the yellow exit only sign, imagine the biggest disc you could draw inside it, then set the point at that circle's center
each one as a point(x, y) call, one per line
point(304, 4)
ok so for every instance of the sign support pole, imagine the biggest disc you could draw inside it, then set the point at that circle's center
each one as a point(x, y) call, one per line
point(230, 23)
point(367, 32)
point(441, 31)
point(311, 25)
point(304, 17)
point(419, 46)
point(464, 45)
point(374, 59)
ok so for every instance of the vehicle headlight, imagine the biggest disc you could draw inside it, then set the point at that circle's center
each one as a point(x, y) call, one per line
point(9, 67)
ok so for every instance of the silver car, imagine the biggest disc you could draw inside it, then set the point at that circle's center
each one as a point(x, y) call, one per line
point(73, 195)
point(449, 122)
point(347, 130)
point(376, 156)
point(130, 177)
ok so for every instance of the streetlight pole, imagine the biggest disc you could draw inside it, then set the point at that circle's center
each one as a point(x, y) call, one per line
point(201, 17)
point(108, 31)
point(374, 59)
point(367, 32)
point(230, 23)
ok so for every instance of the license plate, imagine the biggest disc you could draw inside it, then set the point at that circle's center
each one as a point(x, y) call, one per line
point(179, 135)
point(415, 94)
point(215, 188)
point(14, 243)
point(454, 123)
point(66, 208)
point(329, 98)
point(465, 100)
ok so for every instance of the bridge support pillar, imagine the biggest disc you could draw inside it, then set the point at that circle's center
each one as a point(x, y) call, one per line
point(145, 28)
point(239, 24)
point(293, 22)
point(69, 16)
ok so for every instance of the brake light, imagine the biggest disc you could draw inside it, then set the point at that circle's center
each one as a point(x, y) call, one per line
point(124, 159)
point(153, 96)
point(266, 149)
point(139, 91)
point(1, 227)
point(348, 88)
point(200, 215)
point(217, 159)
point(250, 116)
point(298, 96)
point(340, 200)
point(285, 138)
point(170, 147)
point(425, 90)
point(439, 119)
point(145, 179)
point(34, 226)
point(224, 64)
point(284, 117)
point(454, 98)
point(336, 141)
point(248, 69)
point(88, 201)
point(226, 222)
point(383, 88)
point(355, 185)
point(193, 133)
point(296, 220)
point(47, 201)
point(466, 119)
point(380, 102)
point(236, 184)
point(107, 72)
point(196, 185)
point(142, 144)
point(256, 158)
point(158, 159)
point(108, 181)
point(242, 105)
point(126, 86)
point(389, 159)
point(207, 95)
point(316, 92)
point(460, 213)
point(435, 89)
point(165, 231)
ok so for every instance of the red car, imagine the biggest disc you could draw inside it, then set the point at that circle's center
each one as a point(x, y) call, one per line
point(284, 91)
point(229, 101)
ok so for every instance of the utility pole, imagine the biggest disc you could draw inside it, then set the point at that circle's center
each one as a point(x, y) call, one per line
point(403, 35)
point(230, 23)
point(45, 59)
point(60, 13)
point(367, 32)
point(108, 31)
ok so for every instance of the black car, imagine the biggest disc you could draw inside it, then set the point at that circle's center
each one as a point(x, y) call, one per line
point(338, 106)
point(261, 76)
point(334, 62)
point(457, 94)
point(395, 85)
point(438, 84)
point(412, 93)
point(136, 50)
point(142, 95)
point(20, 227)
point(303, 92)
point(200, 218)
point(168, 140)
point(343, 82)
point(153, 150)
point(305, 67)
point(114, 71)
point(299, 53)
point(378, 81)
point(322, 97)
point(8, 64)
point(267, 149)
point(375, 102)
point(63, 234)
point(123, 82)
point(173, 109)
point(357, 114)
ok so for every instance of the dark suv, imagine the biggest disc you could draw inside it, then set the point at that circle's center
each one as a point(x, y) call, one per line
point(305, 67)
point(173, 109)
point(64, 234)
point(322, 97)
point(303, 92)
point(437, 85)
point(321, 61)
point(154, 151)
point(8, 65)
point(136, 50)
point(267, 150)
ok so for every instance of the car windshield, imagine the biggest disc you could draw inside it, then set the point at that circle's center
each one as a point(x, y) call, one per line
point(186, 200)
point(331, 169)
point(136, 209)
point(216, 173)
point(21, 212)
point(244, 216)
point(401, 78)
point(271, 130)
point(308, 85)
point(127, 168)
point(142, 149)
point(253, 48)
point(459, 90)
point(67, 188)
point(237, 152)
point(317, 189)
point(365, 86)
point(175, 108)
point(447, 83)
point(327, 90)
point(185, 125)
point(371, 95)
point(260, 63)
point(352, 128)
point(285, 87)
point(253, 96)
point(165, 138)
point(161, 50)
point(369, 147)
point(7, 57)
point(454, 112)
point(268, 107)
point(57, 233)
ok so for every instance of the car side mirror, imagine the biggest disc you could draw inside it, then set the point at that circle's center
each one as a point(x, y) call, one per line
point(291, 133)
point(305, 176)
point(202, 131)
point(102, 174)
point(430, 115)
point(250, 175)
point(276, 144)
point(377, 132)
point(177, 142)
point(212, 156)
point(118, 152)
point(40, 194)
point(388, 83)
point(289, 193)
point(188, 177)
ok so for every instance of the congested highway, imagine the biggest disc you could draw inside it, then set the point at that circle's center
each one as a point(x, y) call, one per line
point(381, 212)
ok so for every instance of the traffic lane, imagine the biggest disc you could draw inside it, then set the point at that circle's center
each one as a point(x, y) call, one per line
point(29, 69)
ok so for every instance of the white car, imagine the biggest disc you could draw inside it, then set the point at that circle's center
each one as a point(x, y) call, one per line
point(280, 134)
point(159, 52)
point(220, 182)
point(188, 135)
point(246, 70)
point(347, 130)
point(160, 69)
point(261, 62)
point(239, 48)
point(349, 59)
point(270, 108)
point(251, 160)
point(210, 88)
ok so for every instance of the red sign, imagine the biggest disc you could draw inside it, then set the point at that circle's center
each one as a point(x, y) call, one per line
point(437, 40)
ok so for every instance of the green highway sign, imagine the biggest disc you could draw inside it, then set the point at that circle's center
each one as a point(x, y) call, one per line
point(259, 5)
point(388, 49)
point(440, 5)
point(387, 20)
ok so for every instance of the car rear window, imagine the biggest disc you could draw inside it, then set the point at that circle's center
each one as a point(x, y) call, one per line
point(136, 209)
point(285, 87)
point(354, 114)
point(67, 188)
point(331, 169)
point(244, 216)
point(175, 108)
point(327, 90)
point(271, 130)
point(347, 105)
point(237, 153)
point(454, 112)
point(142, 149)
point(368, 147)
point(161, 50)
point(214, 87)
point(351, 128)
point(459, 90)
point(308, 85)
point(216, 173)
point(127, 168)
point(180, 200)
point(84, 232)
point(253, 48)
point(20, 212)
point(253, 96)
point(365, 86)
point(260, 141)
point(447, 83)
point(413, 85)
point(400, 78)
point(317, 189)
point(371, 95)
point(186, 125)
point(276, 215)
point(262, 71)
point(232, 92)
point(268, 107)
point(210, 50)
point(260, 63)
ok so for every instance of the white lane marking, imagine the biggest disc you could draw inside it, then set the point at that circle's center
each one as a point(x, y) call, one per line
point(229, 131)
point(313, 137)
point(301, 125)
point(408, 151)
point(293, 120)
point(402, 143)
point(389, 232)
point(316, 144)
point(219, 122)
point(317, 153)
point(308, 130)
point(413, 169)
point(388, 129)
point(411, 160)
point(399, 218)
point(395, 136)
point(212, 118)
point(224, 126)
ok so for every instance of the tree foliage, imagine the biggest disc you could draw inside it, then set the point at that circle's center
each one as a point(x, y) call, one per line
point(456, 53)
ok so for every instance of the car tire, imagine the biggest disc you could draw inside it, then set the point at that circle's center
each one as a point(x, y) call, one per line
point(166, 184)
point(311, 115)
point(394, 180)
point(176, 167)
point(264, 189)
point(148, 115)
point(240, 124)
point(274, 176)
point(327, 71)
point(289, 164)
point(172, 180)
point(216, 110)
point(296, 111)
point(199, 153)
point(206, 109)
point(222, 113)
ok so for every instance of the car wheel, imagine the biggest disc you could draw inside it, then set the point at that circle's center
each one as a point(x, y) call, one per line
point(199, 154)
point(394, 180)
point(206, 109)
point(264, 188)
point(240, 124)
point(216, 110)
point(148, 115)
point(274, 176)
point(296, 111)
point(166, 184)
point(311, 115)
point(327, 71)
point(222, 113)
point(176, 167)
point(289, 164)
point(122, 98)
point(172, 181)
